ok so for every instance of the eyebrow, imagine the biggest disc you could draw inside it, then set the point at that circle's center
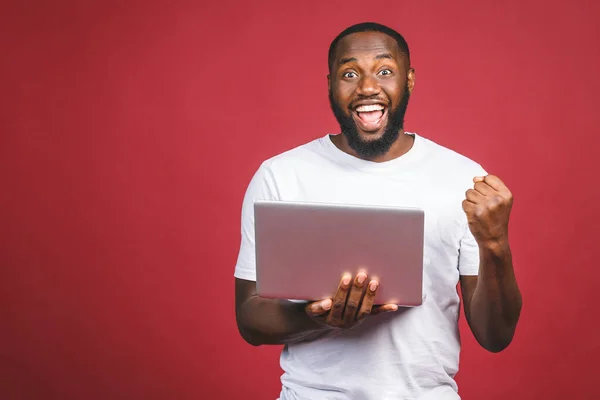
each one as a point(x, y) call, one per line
point(377, 57)
point(347, 60)
point(384, 55)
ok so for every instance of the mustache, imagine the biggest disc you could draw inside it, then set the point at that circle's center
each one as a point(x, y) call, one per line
point(378, 99)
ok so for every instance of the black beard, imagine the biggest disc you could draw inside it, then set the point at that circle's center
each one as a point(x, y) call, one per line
point(371, 149)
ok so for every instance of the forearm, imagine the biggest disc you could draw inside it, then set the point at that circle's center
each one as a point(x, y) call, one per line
point(270, 321)
point(496, 303)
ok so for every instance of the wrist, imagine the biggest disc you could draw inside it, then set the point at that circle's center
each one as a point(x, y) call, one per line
point(497, 247)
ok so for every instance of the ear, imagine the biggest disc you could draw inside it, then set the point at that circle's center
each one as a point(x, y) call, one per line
point(411, 80)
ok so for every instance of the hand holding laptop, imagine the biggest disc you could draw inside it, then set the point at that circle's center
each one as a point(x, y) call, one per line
point(352, 302)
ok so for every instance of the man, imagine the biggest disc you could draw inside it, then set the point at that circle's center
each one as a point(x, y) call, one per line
point(344, 347)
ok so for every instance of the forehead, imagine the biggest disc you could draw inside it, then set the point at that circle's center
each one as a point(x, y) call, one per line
point(366, 45)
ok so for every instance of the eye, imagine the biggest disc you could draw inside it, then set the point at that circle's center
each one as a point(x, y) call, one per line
point(385, 72)
point(349, 74)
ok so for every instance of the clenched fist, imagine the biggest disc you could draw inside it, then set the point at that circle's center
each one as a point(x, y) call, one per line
point(488, 207)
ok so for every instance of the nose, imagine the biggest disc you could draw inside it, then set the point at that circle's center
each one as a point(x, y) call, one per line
point(368, 86)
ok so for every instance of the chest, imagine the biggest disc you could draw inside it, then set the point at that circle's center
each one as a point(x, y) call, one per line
point(445, 222)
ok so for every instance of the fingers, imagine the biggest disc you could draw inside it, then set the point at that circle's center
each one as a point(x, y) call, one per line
point(493, 182)
point(484, 189)
point(353, 301)
point(367, 304)
point(468, 206)
point(488, 192)
point(339, 301)
point(354, 298)
point(384, 308)
point(319, 307)
point(474, 196)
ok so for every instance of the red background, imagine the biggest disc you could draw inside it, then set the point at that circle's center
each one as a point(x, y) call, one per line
point(129, 132)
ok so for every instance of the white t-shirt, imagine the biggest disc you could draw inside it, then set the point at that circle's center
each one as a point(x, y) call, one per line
point(409, 354)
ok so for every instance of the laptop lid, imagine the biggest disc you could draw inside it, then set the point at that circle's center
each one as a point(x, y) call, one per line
point(303, 249)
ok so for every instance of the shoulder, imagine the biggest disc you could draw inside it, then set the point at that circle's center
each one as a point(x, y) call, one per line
point(284, 166)
point(306, 153)
point(449, 160)
point(449, 168)
point(301, 160)
point(448, 156)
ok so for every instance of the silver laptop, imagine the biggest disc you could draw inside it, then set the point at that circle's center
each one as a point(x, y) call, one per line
point(303, 249)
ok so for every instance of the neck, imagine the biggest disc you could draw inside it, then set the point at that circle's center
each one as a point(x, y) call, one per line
point(400, 147)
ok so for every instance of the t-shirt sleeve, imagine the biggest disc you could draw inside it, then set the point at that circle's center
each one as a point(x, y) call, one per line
point(261, 187)
point(468, 257)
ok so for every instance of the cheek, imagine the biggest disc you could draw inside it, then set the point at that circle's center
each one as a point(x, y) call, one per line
point(344, 89)
point(342, 96)
point(394, 91)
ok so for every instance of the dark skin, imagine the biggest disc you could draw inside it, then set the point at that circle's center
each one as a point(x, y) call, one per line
point(369, 65)
point(370, 68)
point(273, 321)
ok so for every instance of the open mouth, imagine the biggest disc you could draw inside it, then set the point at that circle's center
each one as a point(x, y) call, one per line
point(370, 117)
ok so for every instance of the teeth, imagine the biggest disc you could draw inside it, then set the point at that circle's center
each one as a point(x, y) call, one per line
point(368, 108)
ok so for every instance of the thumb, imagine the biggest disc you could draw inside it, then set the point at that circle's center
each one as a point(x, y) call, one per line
point(318, 307)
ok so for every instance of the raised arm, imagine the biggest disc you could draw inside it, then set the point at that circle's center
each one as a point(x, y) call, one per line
point(492, 300)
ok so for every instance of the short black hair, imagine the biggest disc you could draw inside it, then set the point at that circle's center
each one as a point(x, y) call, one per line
point(369, 27)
